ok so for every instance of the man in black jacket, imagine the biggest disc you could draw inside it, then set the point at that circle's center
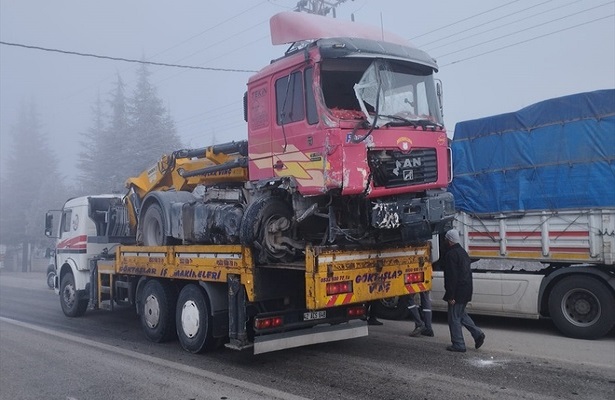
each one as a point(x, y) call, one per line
point(458, 292)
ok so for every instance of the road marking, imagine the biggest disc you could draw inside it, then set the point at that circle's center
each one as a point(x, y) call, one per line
point(248, 386)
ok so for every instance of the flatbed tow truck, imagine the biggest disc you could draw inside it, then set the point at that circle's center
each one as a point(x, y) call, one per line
point(214, 295)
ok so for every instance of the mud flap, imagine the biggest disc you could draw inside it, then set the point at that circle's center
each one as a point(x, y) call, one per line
point(304, 337)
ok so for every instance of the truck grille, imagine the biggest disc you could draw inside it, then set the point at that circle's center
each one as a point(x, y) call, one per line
point(392, 168)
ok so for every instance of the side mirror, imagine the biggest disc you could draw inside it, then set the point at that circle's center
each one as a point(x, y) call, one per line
point(52, 223)
point(48, 225)
point(245, 106)
point(440, 95)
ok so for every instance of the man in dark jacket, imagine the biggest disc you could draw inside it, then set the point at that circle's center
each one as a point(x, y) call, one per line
point(458, 292)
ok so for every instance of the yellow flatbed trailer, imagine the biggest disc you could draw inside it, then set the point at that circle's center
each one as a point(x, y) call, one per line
point(210, 295)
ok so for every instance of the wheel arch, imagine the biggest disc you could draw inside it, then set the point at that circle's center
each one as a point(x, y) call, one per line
point(602, 273)
point(165, 200)
point(82, 277)
point(138, 291)
point(216, 294)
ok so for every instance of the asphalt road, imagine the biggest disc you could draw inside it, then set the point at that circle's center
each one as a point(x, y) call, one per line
point(104, 355)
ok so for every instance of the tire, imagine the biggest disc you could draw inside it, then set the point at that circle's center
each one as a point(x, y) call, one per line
point(193, 320)
point(153, 227)
point(72, 305)
point(266, 222)
point(582, 307)
point(51, 276)
point(157, 311)
point(391, 308)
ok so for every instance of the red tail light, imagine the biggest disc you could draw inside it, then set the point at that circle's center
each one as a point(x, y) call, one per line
point(265, 323)
point(414, 277)
point(339, 287)
point(354, 312)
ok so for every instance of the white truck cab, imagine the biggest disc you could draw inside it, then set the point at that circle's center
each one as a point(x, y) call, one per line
point(83, 228)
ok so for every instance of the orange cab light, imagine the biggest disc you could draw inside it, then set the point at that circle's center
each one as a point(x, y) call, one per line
point(414, 277)
point(265, 323)
point(358, 311)
point(339, 287)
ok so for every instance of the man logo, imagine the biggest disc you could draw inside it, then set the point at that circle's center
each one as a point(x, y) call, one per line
point(408, 174)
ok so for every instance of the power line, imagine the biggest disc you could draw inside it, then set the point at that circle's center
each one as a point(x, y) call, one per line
point(523, 19)
point(525, 29)
point(464, 19)
point(123, 59)
point(424, 45)
point(528, 40)
point(210, 28)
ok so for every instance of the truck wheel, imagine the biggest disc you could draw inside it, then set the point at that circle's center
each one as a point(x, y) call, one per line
point(390, 308)
point(157, 311)
point(265, 226)
point(72, 306)
point(51, 276)
point(153, 227)
point(582, 307)
point(193, 321)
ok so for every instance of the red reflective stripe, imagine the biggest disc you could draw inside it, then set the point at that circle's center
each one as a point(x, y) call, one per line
point(496, 247)
point(496, 235)
point(78, 242)
point(410, 289)
point(347, 298)
point(569, 250)
point(332, 301)
point(569, 234)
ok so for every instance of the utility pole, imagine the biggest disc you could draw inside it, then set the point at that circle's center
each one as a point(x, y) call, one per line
point(318, 7)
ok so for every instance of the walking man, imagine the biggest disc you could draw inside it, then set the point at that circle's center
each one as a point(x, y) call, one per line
point(422, 326)
point(458, 292)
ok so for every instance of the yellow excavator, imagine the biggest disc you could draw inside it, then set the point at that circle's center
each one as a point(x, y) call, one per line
point(177, 174)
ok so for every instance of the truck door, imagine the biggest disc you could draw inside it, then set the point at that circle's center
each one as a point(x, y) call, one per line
point(297, 143)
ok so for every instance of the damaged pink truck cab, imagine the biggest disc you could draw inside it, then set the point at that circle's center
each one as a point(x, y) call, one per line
point(353, 122)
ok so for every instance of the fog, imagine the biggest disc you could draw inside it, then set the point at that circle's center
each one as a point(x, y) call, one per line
point(494, 57)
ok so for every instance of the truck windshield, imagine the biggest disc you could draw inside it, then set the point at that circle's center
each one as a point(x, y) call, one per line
point(397, 93)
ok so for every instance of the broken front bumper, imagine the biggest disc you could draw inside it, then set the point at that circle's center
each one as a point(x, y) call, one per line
point(417, 218)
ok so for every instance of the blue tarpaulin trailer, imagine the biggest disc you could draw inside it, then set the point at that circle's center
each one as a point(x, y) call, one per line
point(553, 155)
point(535, 198)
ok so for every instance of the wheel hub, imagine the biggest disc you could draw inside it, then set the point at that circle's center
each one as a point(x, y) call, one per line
point(69, 295)
point(151, 311)
point(190, 319)
point(581, 307)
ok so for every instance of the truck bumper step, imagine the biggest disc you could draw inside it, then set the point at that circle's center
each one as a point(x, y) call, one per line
point(317, 334)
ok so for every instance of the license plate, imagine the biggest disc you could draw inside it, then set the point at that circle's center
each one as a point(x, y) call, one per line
point(312, 315)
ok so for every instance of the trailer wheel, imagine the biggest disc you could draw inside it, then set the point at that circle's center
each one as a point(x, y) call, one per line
point(153, 227)
point(51, 276)
point(72, 305)
point(157, 312)
point(193, 321)
point(582, 307)
point(390, 308)
point(266, 226)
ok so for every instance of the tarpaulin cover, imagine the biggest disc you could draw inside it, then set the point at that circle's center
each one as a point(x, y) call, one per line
point(553, 155)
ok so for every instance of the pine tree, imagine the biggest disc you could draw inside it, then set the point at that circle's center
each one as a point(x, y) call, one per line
point(105, 158)
point(32, 183)
point(152, 132)
point(91, 160)
point(117, 144)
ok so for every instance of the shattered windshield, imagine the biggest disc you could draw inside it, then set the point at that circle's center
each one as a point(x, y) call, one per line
point(397, 92)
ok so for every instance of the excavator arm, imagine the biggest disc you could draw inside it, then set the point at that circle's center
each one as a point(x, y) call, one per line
point(184, 170)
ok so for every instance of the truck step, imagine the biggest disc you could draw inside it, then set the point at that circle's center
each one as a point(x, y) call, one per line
point(123, 284)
